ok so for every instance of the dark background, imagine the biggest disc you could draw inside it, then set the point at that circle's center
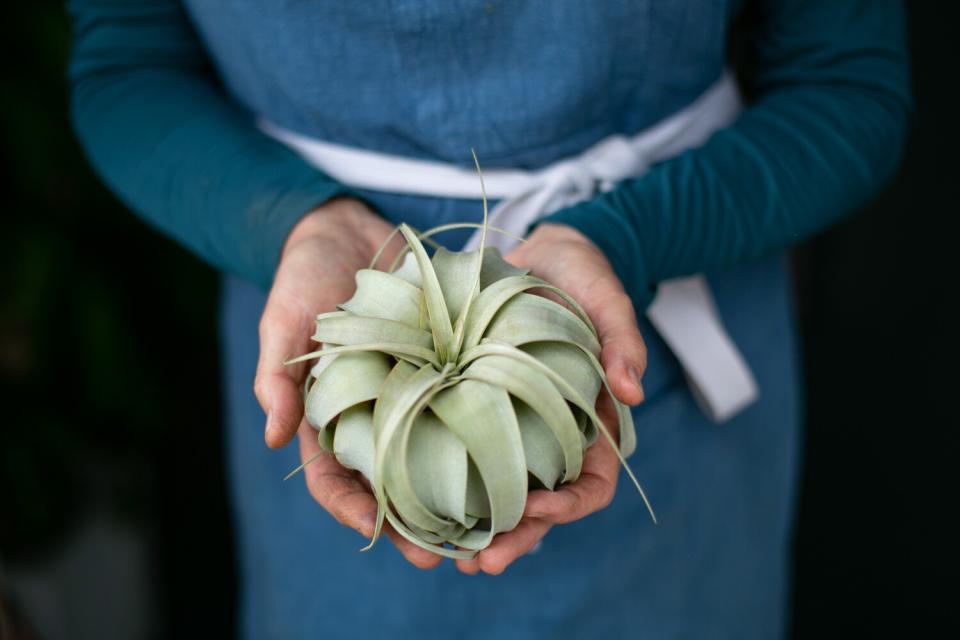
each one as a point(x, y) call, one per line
point(110, 444)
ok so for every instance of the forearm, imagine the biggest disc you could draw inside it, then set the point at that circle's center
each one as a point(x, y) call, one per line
point(825, 134)
point(173, 147)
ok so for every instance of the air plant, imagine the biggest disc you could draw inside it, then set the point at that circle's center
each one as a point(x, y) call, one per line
point(452, 387)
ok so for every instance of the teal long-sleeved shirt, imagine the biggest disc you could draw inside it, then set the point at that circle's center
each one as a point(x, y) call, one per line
point(160, 105)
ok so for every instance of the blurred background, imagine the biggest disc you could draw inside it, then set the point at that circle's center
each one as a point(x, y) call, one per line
point(113, 516)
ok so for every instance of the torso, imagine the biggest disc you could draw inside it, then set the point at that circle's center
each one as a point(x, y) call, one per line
point(524, 83)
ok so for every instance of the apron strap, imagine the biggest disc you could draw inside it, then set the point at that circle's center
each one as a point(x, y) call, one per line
point(683, 311)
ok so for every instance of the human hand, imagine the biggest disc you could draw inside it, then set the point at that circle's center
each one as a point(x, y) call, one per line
point(316, 272)
point(564, 257)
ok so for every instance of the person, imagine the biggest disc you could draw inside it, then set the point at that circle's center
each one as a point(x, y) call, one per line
point(165, 98)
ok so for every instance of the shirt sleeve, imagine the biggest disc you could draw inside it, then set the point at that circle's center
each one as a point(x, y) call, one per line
point(823, 135)
point(156, 125)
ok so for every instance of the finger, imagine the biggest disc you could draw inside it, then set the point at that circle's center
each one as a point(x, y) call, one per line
point(336, 488)
point(623, 354)
point(284, 332)
point(581, 269)
point(345, 496)
point(591, 492)
point(509, 546)
point(572, 502)
point(285, 408)
point(469, 566)
point(420, 558)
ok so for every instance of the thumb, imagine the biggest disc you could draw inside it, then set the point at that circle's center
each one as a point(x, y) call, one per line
point(276, 386)
point(623, 352)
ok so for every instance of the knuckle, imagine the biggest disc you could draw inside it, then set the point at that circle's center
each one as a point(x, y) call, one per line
point(622, 301)
point(339, 514)
point(574, 505)
point(316, 492)
point(493, 567)
point(260, 388)
point(605, 497)
point(424, 563)
point(640, 353)
point(266, 321)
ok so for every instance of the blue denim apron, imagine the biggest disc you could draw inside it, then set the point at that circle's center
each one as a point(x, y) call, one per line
point(525, 83)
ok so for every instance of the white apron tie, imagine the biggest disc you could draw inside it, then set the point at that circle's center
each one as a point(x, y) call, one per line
point(683, 311)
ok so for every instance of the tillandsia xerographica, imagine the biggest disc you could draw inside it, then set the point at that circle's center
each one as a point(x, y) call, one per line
point(450, 387)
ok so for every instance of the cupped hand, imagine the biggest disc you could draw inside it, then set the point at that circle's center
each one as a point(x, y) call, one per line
point(564, 257)
point(315, 273)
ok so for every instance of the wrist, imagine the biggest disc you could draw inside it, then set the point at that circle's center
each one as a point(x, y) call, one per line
point(342, 219)
point(559, 232)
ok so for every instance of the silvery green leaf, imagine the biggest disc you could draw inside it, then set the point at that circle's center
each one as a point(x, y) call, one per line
point(348, 380)
point(409, 270)
point(481, 415)
point(541, 450)
point(570, 362)
point(382, 295)
point(528, 318)
point(391, 393)
point(538, 392)
point(403, 399)
point(401, 528)
point(456, 273)
point(494, 348)
point(429, 536)
point(437, 460)
point(492, 299)
point(353, 439)
point(418, 356)
point(496, 268)
point(440, 324)
point(400, 477)
point(587, 429)
point(343, 328)
point(478, 502)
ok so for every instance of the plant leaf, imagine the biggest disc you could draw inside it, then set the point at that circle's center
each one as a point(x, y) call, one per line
point(349, 379)
point(409, 271)
point(528, 318)
point(539, 393)
point(496, 268)
point(570, 362)
point(353, 439)
point(544, 455)
point(383, 295)
point(399, 476)
point(481, 415)
point(436, 307)
point(343, 328)
point(492, 299)
point(417, 356)
point(437, 460)
point(477, 502)
point(456, 273)
point(496, 348)
point(401, 393)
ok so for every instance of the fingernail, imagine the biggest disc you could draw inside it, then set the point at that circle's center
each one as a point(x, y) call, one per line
point(270, 425)
point(636, 379)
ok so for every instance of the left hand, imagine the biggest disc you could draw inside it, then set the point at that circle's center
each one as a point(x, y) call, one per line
point(564, 257)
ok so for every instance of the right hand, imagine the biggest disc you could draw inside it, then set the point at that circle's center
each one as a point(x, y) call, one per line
point(316, 272)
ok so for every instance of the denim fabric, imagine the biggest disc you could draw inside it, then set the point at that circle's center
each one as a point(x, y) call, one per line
point(524, 83)
point(717, 565)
